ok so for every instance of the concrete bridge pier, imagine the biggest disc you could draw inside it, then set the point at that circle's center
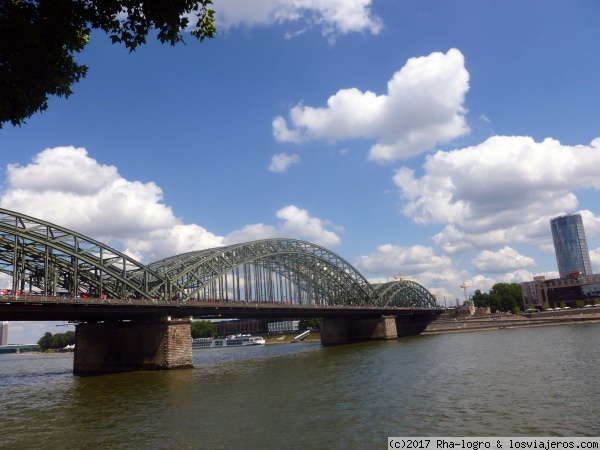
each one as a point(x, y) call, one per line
point(411, 325)
point(344, 330)
point(109, 347)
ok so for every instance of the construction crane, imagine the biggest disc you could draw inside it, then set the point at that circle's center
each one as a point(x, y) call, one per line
point(464, 288)
point(400, 277)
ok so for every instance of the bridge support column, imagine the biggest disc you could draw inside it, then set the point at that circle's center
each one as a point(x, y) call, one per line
point(342, 330)
point(137, 345)
point(410, 325)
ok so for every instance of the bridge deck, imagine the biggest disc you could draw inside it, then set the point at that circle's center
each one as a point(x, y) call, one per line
point(35, 308)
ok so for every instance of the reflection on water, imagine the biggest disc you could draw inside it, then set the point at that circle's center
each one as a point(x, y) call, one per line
point(538, 381)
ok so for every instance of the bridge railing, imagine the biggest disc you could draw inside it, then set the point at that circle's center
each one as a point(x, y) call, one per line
point(215, 304)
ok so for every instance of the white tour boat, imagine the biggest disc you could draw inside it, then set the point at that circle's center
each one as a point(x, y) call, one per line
point(236, 340)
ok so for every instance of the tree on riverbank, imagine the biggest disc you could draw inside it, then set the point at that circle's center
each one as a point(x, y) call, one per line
point(481, 299)
point(503, 297)
point(202, 329)
point(56, 341)
point(306, 324)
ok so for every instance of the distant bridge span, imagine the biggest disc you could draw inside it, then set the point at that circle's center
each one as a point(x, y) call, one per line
point(48, 259)
point(132, 316)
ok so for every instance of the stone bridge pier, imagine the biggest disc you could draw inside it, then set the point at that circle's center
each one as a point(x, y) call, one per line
point(108, 347)
point(345, 330)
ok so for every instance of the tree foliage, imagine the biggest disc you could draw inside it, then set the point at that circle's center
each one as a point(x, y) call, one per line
point(38, 39)
point(313, 323)
point(502, 297)
point(56, 341)
point(481, 300)
point(203, 328)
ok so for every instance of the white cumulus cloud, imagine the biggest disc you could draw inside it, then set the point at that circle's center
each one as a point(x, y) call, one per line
point(501, 191)
point(62, 169)
point(417, 263)
point(505, 259)
point(411, 261)
point(423, 106)
point(281, 161)
point(333, 17)
point(296, 223)
point(595, 259)
point(67, 187)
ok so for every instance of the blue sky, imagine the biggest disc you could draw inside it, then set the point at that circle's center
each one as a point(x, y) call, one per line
point(430, 138)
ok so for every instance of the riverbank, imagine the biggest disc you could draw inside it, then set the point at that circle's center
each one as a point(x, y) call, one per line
point(480, 323)
point(474, 323)
point(288, 338)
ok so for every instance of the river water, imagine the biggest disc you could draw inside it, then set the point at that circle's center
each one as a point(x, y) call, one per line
point(518, 382)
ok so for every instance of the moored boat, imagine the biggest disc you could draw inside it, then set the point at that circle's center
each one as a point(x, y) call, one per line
point(237, 340)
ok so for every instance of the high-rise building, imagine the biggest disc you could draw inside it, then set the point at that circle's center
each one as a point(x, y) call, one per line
point(570, 245)
point(3, 333)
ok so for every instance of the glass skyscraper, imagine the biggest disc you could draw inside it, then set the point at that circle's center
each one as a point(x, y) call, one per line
point(570, 245)
point(3, 333)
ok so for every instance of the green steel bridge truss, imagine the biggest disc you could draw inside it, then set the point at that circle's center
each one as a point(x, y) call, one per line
point(41, 256)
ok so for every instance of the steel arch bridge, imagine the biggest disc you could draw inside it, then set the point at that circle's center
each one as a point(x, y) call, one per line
point(41, 256)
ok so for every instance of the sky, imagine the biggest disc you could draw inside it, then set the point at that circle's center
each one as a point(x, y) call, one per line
point(428, 138)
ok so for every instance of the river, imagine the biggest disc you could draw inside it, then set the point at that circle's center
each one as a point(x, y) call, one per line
point(519, 382)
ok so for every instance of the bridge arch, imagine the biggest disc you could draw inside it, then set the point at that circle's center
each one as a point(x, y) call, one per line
point(52, 258)
point(270, 270)
point(404, 293)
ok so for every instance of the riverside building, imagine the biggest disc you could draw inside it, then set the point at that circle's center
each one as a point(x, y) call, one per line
point(570, 245)
point(543, 294)
point(577, 283)
point(3, 333)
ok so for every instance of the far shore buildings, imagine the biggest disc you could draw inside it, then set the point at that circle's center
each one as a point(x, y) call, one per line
point(543, 294)
point(3, 333)
point(570, 245)
point(577, 282)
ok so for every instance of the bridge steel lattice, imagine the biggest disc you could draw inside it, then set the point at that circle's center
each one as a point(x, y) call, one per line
point(43, 257)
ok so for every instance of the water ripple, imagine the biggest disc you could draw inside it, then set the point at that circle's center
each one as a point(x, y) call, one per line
point(529, 382)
